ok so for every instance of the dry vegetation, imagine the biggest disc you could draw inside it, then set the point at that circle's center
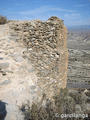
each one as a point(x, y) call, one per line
point(64, 103)
point(3, 19)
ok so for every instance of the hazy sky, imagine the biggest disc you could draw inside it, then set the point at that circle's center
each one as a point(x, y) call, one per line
point(73, 12)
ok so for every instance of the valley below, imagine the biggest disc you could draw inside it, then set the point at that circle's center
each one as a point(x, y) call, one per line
point(79, 58)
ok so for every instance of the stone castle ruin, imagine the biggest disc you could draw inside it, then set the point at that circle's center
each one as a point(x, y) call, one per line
point(47, 52)
point(33, 62)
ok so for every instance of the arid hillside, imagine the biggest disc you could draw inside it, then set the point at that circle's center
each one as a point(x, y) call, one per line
point(79, 58)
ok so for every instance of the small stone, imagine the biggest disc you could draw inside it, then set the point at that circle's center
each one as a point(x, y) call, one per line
point(4, 65)
point(1, 58)
point(5, 82)
point(32, 87)
point(4, 74)
point(31, 70)
point(18, 59)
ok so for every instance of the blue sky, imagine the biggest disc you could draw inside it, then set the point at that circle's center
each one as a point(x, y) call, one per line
point(73, 12)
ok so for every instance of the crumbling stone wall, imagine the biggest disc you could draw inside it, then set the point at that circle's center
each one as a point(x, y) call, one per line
point(47, 51)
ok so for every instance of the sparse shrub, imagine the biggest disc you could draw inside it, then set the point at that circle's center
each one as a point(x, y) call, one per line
point(80, 98)
point(39, 113)
point(3, 19)
point(76, 96)
point(64, 103)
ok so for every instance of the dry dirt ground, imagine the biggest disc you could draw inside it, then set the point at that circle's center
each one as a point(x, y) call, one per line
point(16, 74)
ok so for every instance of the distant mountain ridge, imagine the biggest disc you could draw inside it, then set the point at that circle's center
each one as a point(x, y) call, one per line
point(79, 27)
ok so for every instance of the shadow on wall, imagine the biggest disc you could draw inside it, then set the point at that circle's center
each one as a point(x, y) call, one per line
point(3, 111)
